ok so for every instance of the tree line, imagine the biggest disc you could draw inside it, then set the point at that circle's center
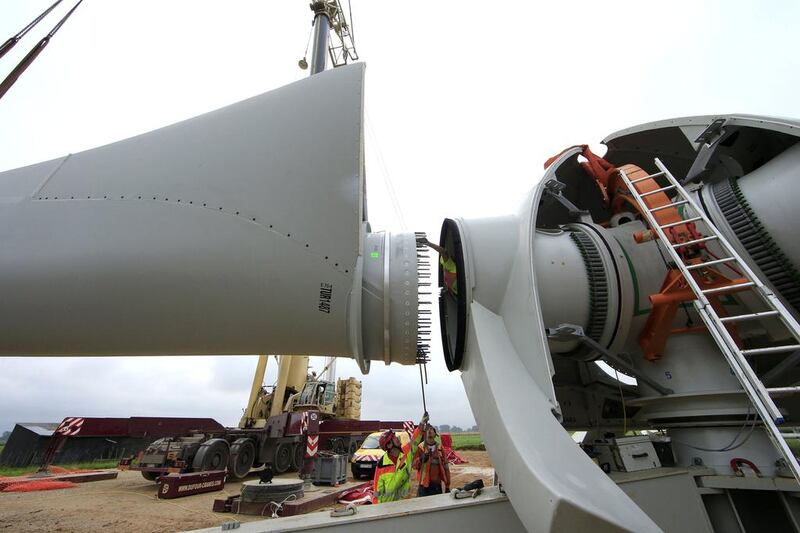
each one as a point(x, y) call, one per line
point(445, 428)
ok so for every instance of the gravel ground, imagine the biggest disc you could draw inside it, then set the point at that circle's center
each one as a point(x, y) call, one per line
point(128, 503)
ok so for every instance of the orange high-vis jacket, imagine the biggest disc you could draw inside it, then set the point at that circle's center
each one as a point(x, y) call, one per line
point(424, 467)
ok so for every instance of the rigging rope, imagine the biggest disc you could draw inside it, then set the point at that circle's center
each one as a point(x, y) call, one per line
point(34, 53)
point(387, 179)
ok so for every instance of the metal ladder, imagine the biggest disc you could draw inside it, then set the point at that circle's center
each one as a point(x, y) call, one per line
point(760, 396)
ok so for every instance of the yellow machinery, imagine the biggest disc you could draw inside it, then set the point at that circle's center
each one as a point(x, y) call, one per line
point(292, 376)
point(294, 391)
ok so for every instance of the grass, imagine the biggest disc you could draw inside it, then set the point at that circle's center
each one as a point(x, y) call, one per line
point(467, 441)
point(94, 465)
point(794, 444)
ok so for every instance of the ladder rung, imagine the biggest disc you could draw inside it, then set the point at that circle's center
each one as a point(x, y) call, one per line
point(693, 219)
point(773, 349)
point(784, 391)
point(651, 176)
point(707, 263)
point(751, 316)
point(790, 435)
point(676, 204)
point(696, 241)
point(728, 288)
point(759, 396)
point(662, 189)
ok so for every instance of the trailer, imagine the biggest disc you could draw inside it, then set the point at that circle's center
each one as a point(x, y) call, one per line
point(281, 427)
point(283, 444)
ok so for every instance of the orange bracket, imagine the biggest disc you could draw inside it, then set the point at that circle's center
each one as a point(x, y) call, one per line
point(675, 291)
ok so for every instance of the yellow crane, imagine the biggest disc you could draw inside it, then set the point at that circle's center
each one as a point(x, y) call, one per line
point(292, 376)
point(295, 390)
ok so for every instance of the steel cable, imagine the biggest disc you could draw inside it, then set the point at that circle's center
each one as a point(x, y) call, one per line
point(23, 65)
point(9, 44)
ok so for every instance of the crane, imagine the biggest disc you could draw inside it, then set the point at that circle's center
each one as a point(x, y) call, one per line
point(672, 259)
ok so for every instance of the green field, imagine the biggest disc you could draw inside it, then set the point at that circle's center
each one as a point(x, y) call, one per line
point(467, 441)
point(794, 444)
point(94, 465)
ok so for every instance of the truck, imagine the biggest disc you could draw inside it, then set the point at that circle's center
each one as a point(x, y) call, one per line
point(281, 427)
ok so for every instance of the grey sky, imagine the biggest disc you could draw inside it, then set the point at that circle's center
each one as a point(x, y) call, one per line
point(464, 103)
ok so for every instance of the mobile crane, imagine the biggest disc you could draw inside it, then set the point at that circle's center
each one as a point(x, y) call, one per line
point(280, 427)
point(673, 260)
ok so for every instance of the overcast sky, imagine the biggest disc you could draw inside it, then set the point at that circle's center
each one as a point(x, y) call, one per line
point(464, 103)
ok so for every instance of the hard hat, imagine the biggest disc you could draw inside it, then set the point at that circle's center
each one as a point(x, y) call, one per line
point(387, 437)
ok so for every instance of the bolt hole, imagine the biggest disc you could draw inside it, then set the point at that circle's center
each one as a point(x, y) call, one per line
point(237, 212)
point(306, 246)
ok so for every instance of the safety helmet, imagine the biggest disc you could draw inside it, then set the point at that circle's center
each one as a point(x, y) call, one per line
point(387, 437)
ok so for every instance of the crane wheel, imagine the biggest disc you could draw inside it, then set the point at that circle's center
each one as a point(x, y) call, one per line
point(340, 447)
point(298, 457)
point(150, 476)
point(243, 453)
point(283, 457)
point(213, 454)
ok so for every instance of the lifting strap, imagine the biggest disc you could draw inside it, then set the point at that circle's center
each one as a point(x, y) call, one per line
point(595, 166)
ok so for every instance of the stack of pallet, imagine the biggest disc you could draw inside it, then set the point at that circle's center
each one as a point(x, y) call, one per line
point(348, 404)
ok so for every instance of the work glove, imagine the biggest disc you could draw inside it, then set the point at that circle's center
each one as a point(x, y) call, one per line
point(423, 424)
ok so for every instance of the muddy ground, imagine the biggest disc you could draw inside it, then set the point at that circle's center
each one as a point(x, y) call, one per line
point(128, 503)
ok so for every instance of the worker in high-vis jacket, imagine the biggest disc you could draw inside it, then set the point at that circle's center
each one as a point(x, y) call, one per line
point(392, 480)
point(433, 470)
point(449, 272)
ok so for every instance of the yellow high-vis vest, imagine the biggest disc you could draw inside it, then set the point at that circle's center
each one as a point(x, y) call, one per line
point(392, 481)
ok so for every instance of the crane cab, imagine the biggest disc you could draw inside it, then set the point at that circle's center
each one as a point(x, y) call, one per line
point(316, 395)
